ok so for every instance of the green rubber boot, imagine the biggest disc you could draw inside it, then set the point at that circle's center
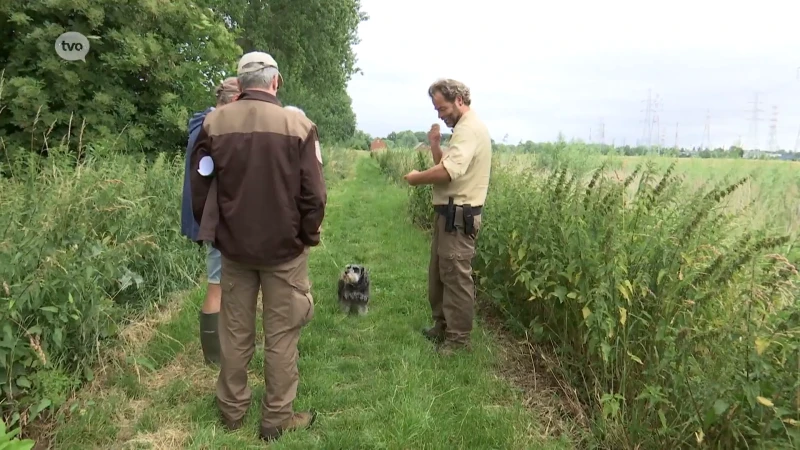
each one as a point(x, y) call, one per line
point(209, 337)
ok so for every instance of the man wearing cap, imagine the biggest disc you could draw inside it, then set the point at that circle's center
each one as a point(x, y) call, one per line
point(225, 93)
point(460, 179)
point(261, 162)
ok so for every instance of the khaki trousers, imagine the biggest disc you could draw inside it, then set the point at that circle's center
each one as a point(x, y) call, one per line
point(288, 306)
point(451, 289)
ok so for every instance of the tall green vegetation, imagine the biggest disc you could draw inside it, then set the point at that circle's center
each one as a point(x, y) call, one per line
point(90, 234)
point(151, 65)
point(312, 42)
point(675, 330)
point(83, 246)
point(154, 63)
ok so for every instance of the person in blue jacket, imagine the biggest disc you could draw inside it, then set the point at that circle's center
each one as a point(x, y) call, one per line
point(226, 92)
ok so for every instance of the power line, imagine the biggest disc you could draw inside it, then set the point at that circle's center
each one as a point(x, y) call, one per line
point(676, 135)
point(602, 131)
point(754, 123)
point(656, 122)
point(773, 130)
point(647, 124)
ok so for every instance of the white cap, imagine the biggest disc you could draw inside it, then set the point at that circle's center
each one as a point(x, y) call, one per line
point(262, 59)
point(295, 108)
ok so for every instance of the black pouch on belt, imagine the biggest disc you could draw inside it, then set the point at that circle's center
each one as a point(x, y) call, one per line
point(469, 220)
point(450, 217)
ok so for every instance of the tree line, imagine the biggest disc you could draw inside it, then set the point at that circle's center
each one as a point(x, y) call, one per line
point(151, 65)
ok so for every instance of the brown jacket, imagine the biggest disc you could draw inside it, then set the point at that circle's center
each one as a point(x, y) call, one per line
point(270, 192)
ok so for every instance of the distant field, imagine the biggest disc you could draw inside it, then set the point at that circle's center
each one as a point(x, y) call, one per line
point(773, 191)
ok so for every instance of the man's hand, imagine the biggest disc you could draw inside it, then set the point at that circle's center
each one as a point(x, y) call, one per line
point(434, 136)
point(411, 177)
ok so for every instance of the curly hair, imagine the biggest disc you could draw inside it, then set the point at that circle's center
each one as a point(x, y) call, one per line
point(450, 90)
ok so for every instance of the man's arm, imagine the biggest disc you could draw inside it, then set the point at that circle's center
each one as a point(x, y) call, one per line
point(200, 184)
point(436, 152)
point(313, 193)
point(460, 151)
point(452, 166)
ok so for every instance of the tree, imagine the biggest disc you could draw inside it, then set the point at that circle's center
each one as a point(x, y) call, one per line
point(150, 66)
point(406, 139)
point(312, 43)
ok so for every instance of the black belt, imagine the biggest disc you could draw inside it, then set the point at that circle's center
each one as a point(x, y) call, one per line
point(442, 209)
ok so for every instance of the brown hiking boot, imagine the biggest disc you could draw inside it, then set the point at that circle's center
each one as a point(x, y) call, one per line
point(298, 421)
point(232, 425)
point(449, 348)
point(434, 333)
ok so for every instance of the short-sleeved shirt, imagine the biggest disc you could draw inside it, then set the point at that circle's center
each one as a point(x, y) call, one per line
point(468, 159)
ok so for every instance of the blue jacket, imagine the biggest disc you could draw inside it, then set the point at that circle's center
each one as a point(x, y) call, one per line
point(190, 227)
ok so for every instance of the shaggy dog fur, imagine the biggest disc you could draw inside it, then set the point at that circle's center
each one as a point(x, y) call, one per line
point(354, 289)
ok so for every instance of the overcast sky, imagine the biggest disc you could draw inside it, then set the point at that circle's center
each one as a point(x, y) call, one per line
point(537, 68)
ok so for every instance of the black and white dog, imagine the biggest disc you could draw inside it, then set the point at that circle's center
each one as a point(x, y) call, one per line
point(354, 289)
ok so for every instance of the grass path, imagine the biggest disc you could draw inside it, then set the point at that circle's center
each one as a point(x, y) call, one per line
point(375, 381)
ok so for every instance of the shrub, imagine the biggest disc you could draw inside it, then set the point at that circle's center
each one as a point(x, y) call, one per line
point(87, 244)
point(82, 246)
point(10, 441)
point(674, 329)
point(338, 164)
point(395, 164)
point(151, 64)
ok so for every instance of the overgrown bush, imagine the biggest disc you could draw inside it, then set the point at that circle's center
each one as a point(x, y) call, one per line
point(395, 164)
point(338, 164)
point(85, 246)
point(150, 66)
point(81, 246)
point(676, 331)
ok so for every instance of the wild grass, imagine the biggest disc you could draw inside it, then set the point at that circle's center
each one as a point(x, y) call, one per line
point(375, 381)
point(84, 246)
point(88, 244)
point(674, 316)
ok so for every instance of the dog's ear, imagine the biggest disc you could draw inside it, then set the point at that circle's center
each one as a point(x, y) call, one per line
point(364, 276)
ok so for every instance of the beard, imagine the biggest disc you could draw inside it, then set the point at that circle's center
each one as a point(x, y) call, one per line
point(452, 119)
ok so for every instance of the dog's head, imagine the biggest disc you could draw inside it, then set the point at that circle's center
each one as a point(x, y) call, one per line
point(354, 274)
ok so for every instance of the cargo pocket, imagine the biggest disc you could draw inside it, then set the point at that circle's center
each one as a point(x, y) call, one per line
point(226, 286)
point(454, 267)
point(303, 304)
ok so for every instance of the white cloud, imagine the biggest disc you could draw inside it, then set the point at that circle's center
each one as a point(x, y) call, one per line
point(539, 68)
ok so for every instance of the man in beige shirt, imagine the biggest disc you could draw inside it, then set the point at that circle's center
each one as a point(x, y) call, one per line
point(460, 179)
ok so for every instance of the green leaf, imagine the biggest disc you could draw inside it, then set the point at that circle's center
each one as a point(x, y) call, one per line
point(720, 406)
point(635, 358)
point(43, 403)
point(23, 382)
point(51, 309)
point(661, 274)
point(663, 419)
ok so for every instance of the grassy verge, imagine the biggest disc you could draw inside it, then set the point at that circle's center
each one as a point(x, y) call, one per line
point(375, 381)
point(87, 247)
point(636, 284)
point(84, 248)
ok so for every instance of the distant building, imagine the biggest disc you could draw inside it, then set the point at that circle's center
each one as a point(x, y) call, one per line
point(377, 144)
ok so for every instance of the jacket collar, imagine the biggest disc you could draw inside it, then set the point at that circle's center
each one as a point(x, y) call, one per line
point(259, 95)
